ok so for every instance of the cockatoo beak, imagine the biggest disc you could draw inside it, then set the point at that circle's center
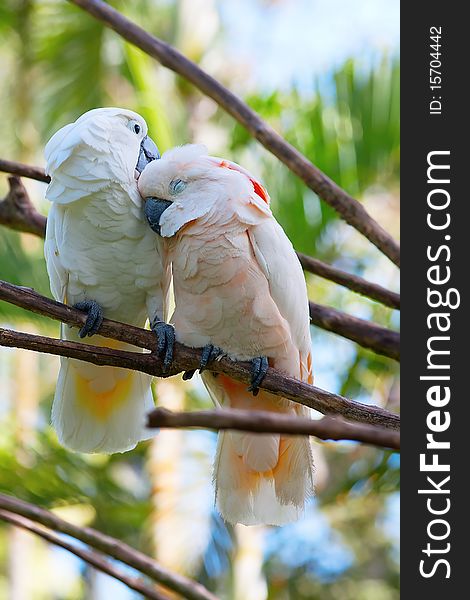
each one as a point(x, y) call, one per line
point(148, 152)
point(154, 208)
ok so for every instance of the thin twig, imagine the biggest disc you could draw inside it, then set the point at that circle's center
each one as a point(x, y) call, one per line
point(353, 282)
point(369, 335)
point(185, 358)
point(350, 209)
point(327, 428)
point(92, 558)
point(313, 265)
point(110, 546)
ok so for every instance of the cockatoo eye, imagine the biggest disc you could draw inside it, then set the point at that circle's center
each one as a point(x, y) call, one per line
point(135, 127)
point(177, 186)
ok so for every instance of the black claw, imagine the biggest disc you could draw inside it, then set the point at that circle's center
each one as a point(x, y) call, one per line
point(188, 374)
point(259, 368)
point(165, 342)
point(94, 317)
point(209, 354)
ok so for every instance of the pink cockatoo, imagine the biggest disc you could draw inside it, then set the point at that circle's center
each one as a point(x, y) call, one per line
point(239, 287)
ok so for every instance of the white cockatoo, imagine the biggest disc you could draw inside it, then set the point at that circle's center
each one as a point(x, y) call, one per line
point(102, 258)
point(239, 290)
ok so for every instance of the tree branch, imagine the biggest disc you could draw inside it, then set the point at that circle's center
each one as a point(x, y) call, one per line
point(22, 170)
point(369, 335)
point(110, 546)
point(350, 209)
point(18, 212)
point(92, 558)
point(327, 428)
point(353, 282)
point(27, 214)
point(313, 265)
point(185, 358)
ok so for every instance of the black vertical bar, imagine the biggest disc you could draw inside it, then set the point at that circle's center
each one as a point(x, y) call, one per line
point(436, 261)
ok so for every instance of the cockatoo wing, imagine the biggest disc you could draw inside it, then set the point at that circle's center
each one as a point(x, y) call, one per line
point(74, 174)
point(58, 275)
point(278, 261)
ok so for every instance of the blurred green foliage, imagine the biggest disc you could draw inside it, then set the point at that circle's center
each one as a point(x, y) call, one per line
point(57, 63)
point(348, 127)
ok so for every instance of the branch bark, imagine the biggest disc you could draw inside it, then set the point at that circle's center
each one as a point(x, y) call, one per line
point(28, 214)
point(92, 558)
point(350, 209)
point(110, 546)
point(369, 335)
point(185, 358)
point(327, 428)
point(18, 212)
point(353, 282)
point(22, 170)
point(312, 265)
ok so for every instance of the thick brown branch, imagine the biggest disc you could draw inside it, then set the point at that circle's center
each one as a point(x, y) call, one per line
point(353, 282)
point(18, 212)
point(350, 209)
point(185, 359)
point(92, 558)
point(27, 218)
point(188, 358)
point(110, 546)
point(22, 170)
point(30, 300)
point(328, 428)
point(369, 335)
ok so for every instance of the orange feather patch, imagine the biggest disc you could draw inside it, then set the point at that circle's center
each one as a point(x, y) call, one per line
point(102, 404)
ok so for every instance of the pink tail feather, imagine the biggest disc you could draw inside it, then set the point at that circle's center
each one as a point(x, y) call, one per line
point(259, 479)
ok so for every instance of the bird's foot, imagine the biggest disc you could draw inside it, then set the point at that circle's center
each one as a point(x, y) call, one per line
point(209, 354)
point(94, 317)
point(259, 368)
point(165, 341)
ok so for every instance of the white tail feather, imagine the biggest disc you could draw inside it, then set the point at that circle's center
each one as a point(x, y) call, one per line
point(100, 409)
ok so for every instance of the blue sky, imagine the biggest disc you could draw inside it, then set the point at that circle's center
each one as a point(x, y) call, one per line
point(291, 41)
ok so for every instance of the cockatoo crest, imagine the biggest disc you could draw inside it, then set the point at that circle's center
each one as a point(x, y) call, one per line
point(197, 184)
point(103, 145)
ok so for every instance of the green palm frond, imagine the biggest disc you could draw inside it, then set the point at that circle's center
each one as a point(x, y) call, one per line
point(71, 65)
point(348, 126)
